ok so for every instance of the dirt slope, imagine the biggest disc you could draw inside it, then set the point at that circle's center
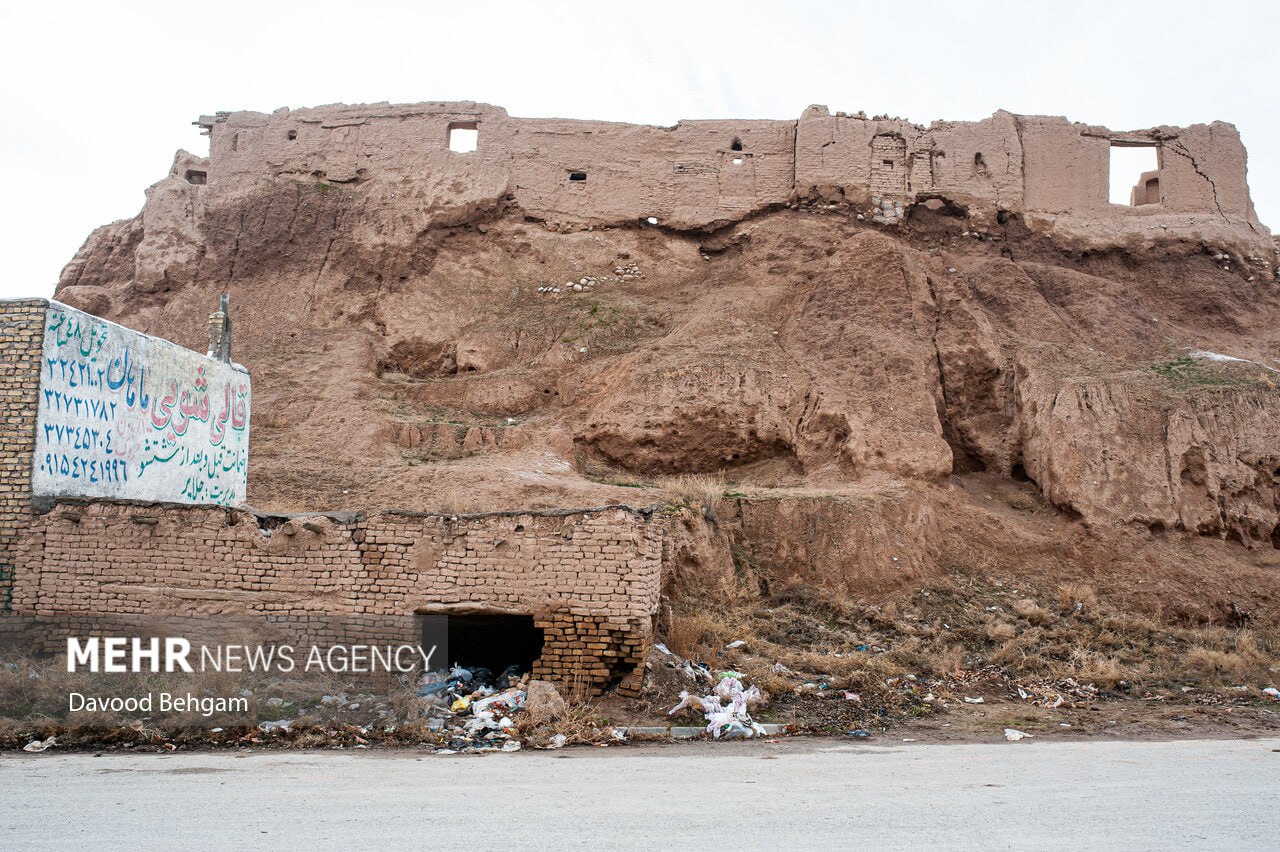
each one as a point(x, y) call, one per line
point(859, 389)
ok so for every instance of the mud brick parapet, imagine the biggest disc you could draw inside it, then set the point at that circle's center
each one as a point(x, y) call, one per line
point(590, 579)
point(21, 338)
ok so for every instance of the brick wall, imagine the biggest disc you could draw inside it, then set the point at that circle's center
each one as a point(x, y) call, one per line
point(21, 336)
point(590, 579)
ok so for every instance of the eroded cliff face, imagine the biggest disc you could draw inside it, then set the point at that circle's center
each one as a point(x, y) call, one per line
point(421, 354)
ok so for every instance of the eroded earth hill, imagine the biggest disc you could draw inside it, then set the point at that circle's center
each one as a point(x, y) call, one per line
point(892, 355)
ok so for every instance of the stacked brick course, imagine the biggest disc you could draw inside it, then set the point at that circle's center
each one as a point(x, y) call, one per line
point(21, 338)
point(590, 579)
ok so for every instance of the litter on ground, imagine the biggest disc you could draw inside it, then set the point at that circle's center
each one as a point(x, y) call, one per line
point(729, 722)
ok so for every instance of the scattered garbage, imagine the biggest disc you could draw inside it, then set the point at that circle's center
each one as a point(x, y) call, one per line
point(278, 725)
point(1272, 693)
point(1013, 734)
point(40, 745)
point(859, 733)
point(733, 721)
point(978, 700)
point(558, 741)
point(472, 709)
point(738, 643)
point(1041, 696)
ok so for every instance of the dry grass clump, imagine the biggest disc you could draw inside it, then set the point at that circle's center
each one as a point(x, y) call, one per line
point(1076, 597)
point(1239, 662)
point(580, 723)
point(962, 625)
point(697, 491)
point(1032, 612)
point(457, 501)
point(694, 634)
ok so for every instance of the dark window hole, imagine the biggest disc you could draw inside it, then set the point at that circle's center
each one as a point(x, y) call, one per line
point(577, 177)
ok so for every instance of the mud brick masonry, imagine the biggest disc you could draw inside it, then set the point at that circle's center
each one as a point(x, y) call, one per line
point(590, 579)
point(21, 338)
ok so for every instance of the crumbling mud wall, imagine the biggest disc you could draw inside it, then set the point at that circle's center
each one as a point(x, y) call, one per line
point(703, 174)
point(123, 415)
point(590, 579)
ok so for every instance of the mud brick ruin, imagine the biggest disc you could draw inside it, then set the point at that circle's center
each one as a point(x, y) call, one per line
point(588, 581)
point(700, 174)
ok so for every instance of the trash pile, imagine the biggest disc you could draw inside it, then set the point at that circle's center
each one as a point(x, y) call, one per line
point(733, 721)
point(1053, 695)
point(472, 709)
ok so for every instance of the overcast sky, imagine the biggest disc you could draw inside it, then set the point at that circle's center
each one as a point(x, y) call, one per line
point(97, 96)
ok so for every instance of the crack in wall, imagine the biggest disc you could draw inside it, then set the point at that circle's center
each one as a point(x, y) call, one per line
point(1177, 147)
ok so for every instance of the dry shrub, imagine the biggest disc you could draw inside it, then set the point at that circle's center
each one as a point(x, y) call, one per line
point(1000, 631)
point(457, 501)
point(693, 633)
point(760, 672)
point(1032, 612)
point(579, 724)
point(1243, 661)
point(1073, 595)
point(1009, 653)
point(1098, 669)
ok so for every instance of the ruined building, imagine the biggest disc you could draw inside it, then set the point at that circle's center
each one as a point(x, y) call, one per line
point(128, 480)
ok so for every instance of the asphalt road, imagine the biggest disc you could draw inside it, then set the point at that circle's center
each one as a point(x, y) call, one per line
point(1199, 794)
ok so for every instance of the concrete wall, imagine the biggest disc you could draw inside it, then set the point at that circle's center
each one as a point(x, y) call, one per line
point(123, 415)
point(590, 579)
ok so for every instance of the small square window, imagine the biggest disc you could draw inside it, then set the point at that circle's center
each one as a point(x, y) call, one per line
point(464, 137)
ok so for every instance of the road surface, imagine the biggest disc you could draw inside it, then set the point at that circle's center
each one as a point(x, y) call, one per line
point(1199, 794)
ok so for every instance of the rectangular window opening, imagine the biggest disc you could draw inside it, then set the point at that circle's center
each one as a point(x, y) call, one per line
point(1135, 174)
point(577, 177)
point(197, 177)
point(464, 136)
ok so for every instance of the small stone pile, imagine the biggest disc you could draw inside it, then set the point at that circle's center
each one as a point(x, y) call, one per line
point(587, 283)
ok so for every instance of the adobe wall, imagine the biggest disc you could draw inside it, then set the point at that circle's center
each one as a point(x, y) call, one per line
point(21, 339)
point(701, 174)
point(591, 579)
